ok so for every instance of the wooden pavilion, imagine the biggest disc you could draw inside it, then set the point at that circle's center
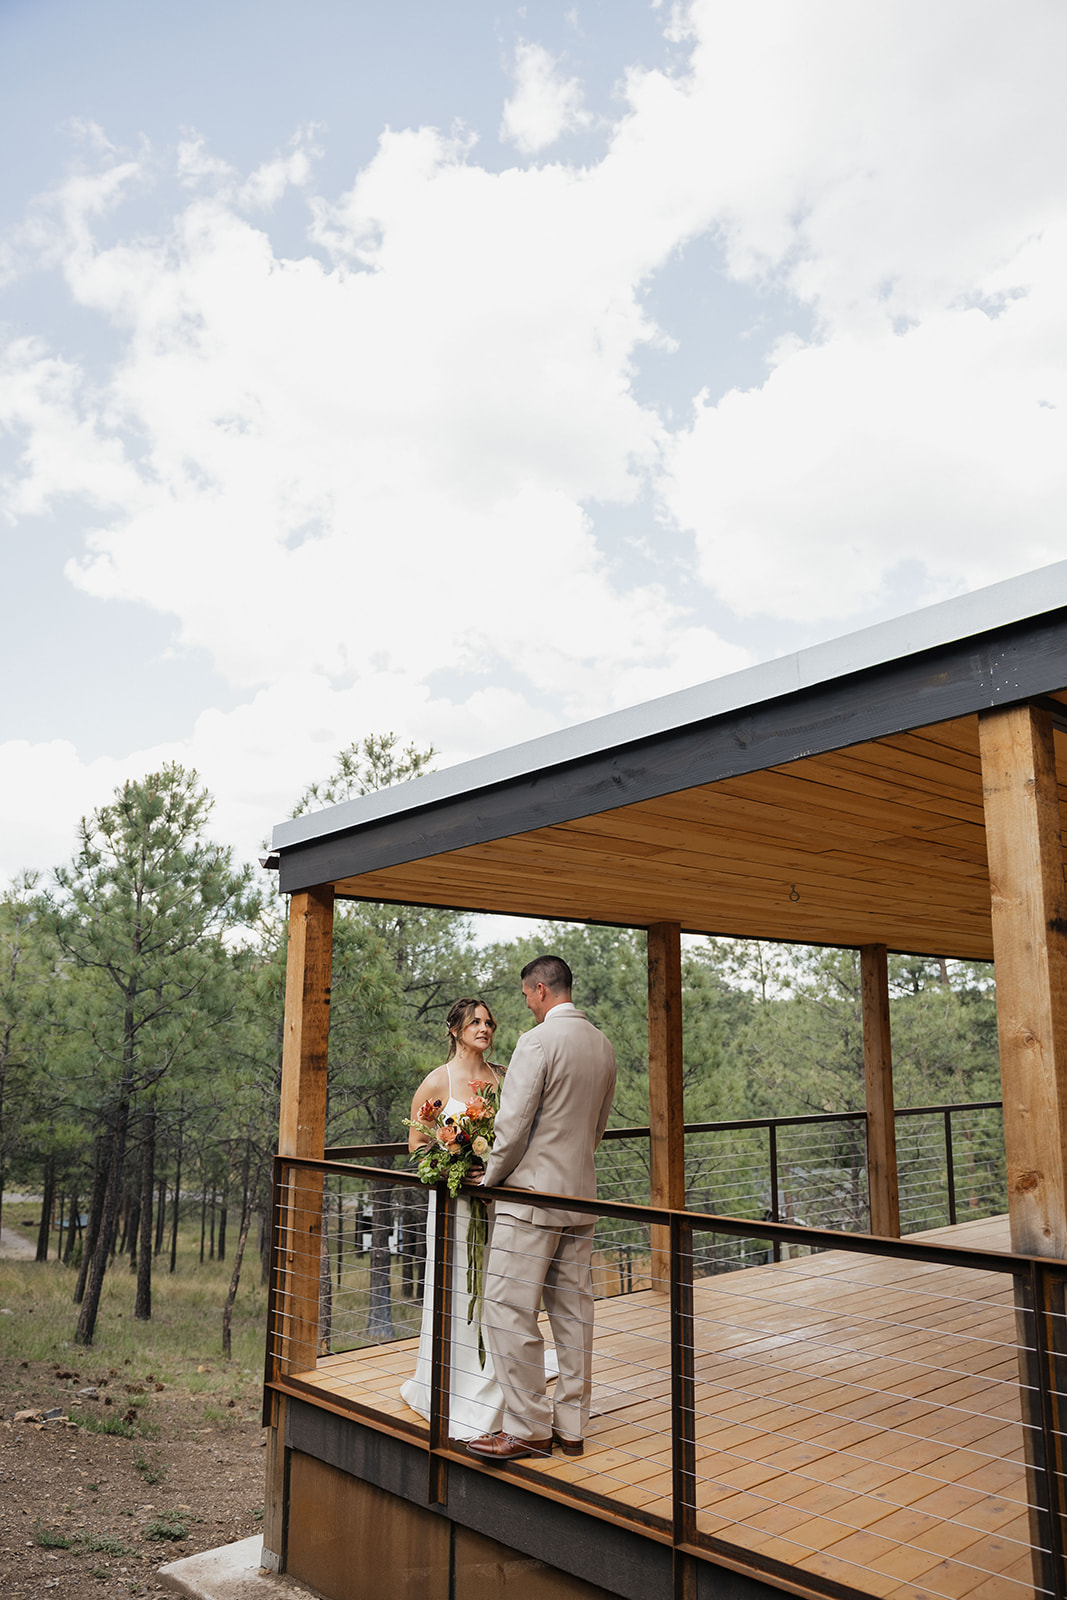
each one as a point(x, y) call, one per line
point(901, 789)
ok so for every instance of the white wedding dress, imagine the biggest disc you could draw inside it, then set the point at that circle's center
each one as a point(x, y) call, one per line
point(475, 1401)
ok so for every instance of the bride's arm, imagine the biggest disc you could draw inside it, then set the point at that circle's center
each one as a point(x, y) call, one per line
point(429, 1089)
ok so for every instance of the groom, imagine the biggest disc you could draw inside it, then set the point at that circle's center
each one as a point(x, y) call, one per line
point(554, 1108)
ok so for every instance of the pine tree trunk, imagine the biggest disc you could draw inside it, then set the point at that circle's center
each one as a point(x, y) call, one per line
point(83, 1333)
point(223, 1207)
point(47, 1203)
point(177, 1203)
point(142, 1309)
point(131, 1230)
point(227, 1315)
point(161, 1215)
point(407, 1246)
point(96, 1217)
point(264, 1248)
point(379, 1310)
point(72, 1229)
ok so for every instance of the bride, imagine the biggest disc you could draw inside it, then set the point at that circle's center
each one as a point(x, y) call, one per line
point(475, 1403)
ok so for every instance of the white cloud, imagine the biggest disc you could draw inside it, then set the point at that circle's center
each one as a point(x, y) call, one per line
point(545, 104)
point(420, 423)
point(899, 169)
point(944, 445)
point(365, 477)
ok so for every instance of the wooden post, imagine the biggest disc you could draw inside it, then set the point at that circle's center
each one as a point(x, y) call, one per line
point(301, 1132)
point(1024, 847)
point(878, 1085)
point(666, 1114)
point(1029, 907)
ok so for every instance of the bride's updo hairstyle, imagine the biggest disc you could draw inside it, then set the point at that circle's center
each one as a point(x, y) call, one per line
point(460, 1017)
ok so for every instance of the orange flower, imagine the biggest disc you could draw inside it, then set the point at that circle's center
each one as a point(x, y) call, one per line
point(477, 1107)
point(428, 1111)
point(446, 1136)
point(478, 1084)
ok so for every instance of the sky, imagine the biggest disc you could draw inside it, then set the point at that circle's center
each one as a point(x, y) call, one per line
point(469, 371)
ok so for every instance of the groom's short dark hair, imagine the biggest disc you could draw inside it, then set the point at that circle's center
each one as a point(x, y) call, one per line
point(552, 971)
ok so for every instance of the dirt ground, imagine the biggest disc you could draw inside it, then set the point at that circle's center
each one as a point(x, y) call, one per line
point(86, 1514)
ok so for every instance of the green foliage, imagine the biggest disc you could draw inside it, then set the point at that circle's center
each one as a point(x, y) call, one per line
point(801, 1048)
point(167, 1526)
point(103, 1544)
point(50, 1538)
point(151, 1471)
point(145, 907)
point(28, 994)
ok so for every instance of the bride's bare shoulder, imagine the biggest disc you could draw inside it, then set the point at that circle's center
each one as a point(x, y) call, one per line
point(434, 1086)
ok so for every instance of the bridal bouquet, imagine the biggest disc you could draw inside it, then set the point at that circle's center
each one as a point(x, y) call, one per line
point(457, 1145)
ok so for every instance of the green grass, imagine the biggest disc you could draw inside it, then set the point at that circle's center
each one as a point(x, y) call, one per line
point(104, 1544)
point(183, 1336)
point(120, 1427)
point(168, 1526)
point(151, 1471)
point(50, 1538)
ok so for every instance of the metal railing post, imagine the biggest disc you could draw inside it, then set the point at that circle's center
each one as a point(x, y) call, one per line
point(776, 1215)
point(441, 1358)
point(270, 1355)
point(1045, 1456)
point(950, 1169)
point(683, 1382)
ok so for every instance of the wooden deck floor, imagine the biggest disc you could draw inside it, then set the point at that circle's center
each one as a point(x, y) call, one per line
point(858, 1417)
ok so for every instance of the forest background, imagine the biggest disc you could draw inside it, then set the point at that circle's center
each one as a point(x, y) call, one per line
point(141, 999)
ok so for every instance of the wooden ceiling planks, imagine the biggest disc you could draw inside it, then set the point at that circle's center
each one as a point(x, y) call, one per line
point(882, 842)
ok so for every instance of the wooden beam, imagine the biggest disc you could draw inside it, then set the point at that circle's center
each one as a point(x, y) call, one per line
point(666, 1113)
point(302, 1128)
point(274, 1503)
point(301, 1132)
point(1029, 905)
point(878, 1085)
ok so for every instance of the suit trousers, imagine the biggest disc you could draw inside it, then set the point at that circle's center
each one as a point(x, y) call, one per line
point(528, 1264)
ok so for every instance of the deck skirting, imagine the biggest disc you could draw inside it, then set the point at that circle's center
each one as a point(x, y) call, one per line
point(389, 1486)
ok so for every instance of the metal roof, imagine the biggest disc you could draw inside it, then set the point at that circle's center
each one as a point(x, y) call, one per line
point(968, 616)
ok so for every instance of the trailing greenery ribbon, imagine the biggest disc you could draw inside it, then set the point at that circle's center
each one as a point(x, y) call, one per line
point(477, 1239)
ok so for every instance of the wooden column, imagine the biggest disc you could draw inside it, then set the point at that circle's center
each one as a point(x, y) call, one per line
point(878, 1086)
point(301, 1132)
point(302, 1129)
point(666, 1114)
point(1029, 906)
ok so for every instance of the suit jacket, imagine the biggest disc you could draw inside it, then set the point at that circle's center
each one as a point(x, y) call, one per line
point(554, 1107)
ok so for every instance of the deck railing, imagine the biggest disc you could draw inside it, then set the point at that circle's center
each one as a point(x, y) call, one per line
point(808, 1170)
point(878, 1417)
point(812, 1170)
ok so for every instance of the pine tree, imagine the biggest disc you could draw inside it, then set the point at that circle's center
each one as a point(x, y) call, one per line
point(145, 906)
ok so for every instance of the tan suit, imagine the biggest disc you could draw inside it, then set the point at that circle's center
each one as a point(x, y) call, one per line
point(554, 1108)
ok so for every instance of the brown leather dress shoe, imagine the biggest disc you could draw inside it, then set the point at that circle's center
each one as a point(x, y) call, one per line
point(570, 1447)
point(505, 1447)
